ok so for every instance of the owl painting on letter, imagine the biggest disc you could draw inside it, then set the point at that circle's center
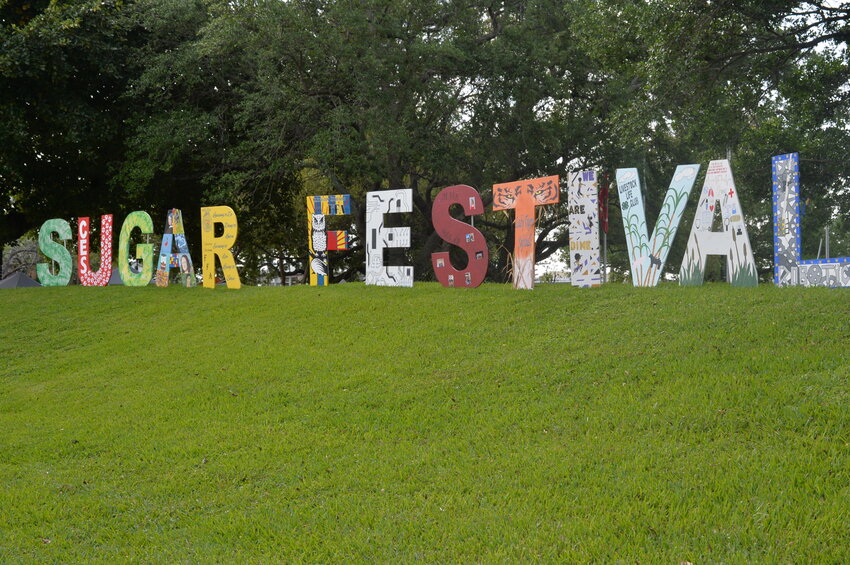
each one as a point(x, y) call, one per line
point(318, 235)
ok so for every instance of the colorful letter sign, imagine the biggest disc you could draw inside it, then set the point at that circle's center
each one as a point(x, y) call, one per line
point(219, 246)
point(101, 276)
point(523, 197)
point(648, 256)
point(732, 242)
point(174, 236)
point(144, 251)
point(461, 234)
point(380, 237)
point(56, 252)
point(788, 266)
point(584, 229)
point(321, 241)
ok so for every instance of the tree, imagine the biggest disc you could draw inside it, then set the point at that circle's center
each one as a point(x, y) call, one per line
point(385, 95)
point(63, 70)
point(167, 103)
point(746, 79)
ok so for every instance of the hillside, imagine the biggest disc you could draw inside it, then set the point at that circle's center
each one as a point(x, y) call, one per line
point(356, 423)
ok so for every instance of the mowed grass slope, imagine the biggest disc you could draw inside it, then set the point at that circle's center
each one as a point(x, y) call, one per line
point(354, 423)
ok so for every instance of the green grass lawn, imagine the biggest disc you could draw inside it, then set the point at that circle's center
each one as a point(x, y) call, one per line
point(352, 423)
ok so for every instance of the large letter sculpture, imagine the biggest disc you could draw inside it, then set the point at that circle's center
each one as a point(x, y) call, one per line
point(732, 242)
point(174, 236)
point(380, 237)
point(56, 252)
point(584, 229)
point(647, 256)
point(101, 276)
point(523, 197)
point(321, 241)
point(788, 266)
point(461, 234)
point(144, 251)
point(219, 246)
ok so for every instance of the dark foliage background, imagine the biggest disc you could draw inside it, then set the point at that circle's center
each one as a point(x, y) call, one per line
point(109, 107)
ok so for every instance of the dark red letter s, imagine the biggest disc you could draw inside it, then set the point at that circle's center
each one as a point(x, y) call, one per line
point(461, 234)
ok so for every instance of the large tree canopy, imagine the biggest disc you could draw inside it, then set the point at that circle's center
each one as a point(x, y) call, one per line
point(148, 104)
